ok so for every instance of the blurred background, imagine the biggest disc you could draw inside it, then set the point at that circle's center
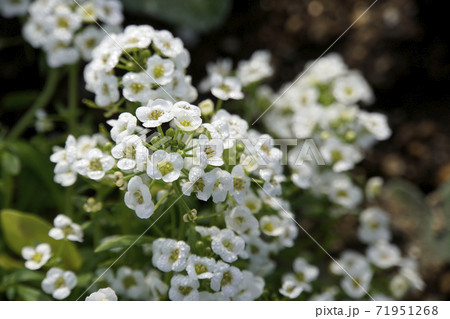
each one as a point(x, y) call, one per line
point(401, 46)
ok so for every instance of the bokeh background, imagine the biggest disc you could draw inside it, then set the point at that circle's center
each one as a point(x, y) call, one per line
point(401, 46)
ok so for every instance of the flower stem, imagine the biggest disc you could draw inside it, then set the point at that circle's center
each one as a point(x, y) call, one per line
point(218, 105)
point(73, 98)
point(43, 99)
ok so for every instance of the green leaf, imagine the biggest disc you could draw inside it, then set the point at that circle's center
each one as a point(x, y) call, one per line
point(122, 241)
point(9, 263)
point(26, 293)
point(22, 229)
point(199, 15)
point(22, 275)
point(10, 163)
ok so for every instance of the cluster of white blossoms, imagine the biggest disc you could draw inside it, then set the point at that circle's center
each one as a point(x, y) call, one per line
point(224, 83)
point(358, 270)
point(145, 64)
point(68, 30)
point(14, 8)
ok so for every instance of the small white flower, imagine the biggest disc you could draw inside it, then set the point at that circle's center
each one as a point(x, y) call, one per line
point(130, 283)
point(160, 70)
point(139, 198)
point(226, 88)
point(384, 255)
point(64, 159)
point(250, 288)
point(376, 124)
point(136, 36)
point(271, 225)
point(374, 226)
point(155, 113)
point(200, 267)
point(241, 184)
point(227, 279)
point(343, 192)
point(242, 221)
point(290, 288)
point(187, 122)
point(252, 202)
point(37, 256)
point(165, 166)
point(256, 69)
point(185, 107)
point(209, 152)
point(60, 53)
point(183, 288)
point(63, 23)
point(167, 44)
point(110, 11)
point(106, 90)
point(373, 187)
point(348, 260)
point(87, 40)
point(131, 153)
point(207, 231)
point(124, 126)
point(223, 183)
point(65, 228)
point(95, 165)
point(136, 87)
point(228, 246)
point(199, 183)
point(352, 88)
point(59, 283)
point(105, 294)
point(157, 288)
point(272, 181)
point(359, 284)
point(342, 157)
point(170, 255)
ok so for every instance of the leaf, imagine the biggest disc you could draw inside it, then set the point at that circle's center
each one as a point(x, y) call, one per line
point(22, 275)
point(10, 163)
point(26, 293)
point(122, 241)
point(22, 229)
point(9, 263)
point(198, 15)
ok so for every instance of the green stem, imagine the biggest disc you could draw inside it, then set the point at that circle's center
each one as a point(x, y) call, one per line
point(73, 98)
point(209, 215)
point(161, 200)
point(160, 131)
point(43, 99)
point(218, 105)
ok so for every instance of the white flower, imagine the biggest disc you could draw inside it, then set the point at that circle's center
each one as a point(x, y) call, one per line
point(187, 122)
point(250, 288)
point(136, 87)
point(105, 294)
point(110, 11)
point(65, 228)
point(223, 183)
point(131, 152)
point(325, 69)
point(160, 70)
point(228, 246)
point(59, 53)
point(290, 288)
point(399, 286)
point(95, 165)
point(374, 226)
point(106, 90)
point(130, 283)
point(252, 202)
point(226, 279)
point(342, 156)
point(200, 267)
point(59, 283)
point(294, 284)
point(227, 88)
point(271, 225)
point(14, 8)
point(209, 152)
point(384, 255)
point(136, 36)
point(34, 32)
point(165, 166)
point(183, 288)
point(124, 126)
point(351, 88)
point(257, 68)
point(185, 107)
point(64, 159)
point(376, 124)
point(242, 221)
point(37, 256)
point(373, 187)
point(106, 55)
point(409, 269)
point(157, 287)
point(241, 184)
point(272, 181)
point(207, 231)
point(167, 44)
point(358, 284)
point(63, 23)
point(199, 183)
point(349, 260)
point(155, 113)
point(139, 198)
point(343, 192)
point(87, 40)
point(170, 255)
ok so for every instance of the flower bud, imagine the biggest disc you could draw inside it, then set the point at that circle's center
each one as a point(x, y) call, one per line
point(206, 107)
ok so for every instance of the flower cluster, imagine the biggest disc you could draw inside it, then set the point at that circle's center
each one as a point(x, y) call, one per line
point(146, 64)
point(69, 30)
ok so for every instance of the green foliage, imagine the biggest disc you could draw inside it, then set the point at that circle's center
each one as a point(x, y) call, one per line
point(122, 242)
point(199, 15)
point(22, 229)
